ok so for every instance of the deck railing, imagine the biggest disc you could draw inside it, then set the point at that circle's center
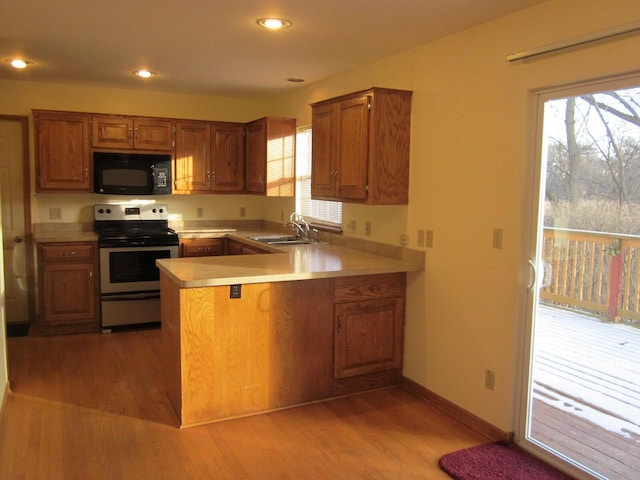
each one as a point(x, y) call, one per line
point(592, 271)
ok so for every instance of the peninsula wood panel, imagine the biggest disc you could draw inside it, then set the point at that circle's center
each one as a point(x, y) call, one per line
point(268, 349)
point(171, 361)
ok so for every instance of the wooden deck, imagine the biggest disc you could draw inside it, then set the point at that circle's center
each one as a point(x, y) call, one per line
point(586, 392)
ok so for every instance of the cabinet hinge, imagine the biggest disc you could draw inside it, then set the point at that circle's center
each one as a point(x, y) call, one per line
point(369, 106)
point(366, 188)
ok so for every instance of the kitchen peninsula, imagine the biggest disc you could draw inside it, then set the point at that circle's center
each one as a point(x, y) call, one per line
point(245, 334)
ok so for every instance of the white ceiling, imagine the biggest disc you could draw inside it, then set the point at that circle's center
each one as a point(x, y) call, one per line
point(214, 46)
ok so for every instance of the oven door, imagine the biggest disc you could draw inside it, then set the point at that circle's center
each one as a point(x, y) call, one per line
point(132, 269)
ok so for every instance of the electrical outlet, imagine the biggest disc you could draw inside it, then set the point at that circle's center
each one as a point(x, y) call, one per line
point(199, 212)
point(490, 379)
point(55, 214)
point(420, 239)
point(351, 226)
point(429, 240)
point(367, 228)
point(282, 215)
point(497, 238)
point(404, 239)
point(235, 291)
point(243, 212)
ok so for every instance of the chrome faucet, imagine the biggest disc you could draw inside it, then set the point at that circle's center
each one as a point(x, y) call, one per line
point(300, 226)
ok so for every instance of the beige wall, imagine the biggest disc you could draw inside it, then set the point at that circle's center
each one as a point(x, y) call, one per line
point(472, 155)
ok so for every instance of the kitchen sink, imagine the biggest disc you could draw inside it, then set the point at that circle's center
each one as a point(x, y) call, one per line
point(284, 240)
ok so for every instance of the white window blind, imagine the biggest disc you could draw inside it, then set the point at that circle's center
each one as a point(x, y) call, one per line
point(317, 212)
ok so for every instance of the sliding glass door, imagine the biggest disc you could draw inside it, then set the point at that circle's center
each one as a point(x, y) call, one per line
point(581, 393)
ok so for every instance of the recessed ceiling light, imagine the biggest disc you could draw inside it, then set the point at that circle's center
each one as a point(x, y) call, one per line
point(144, 73)
point(19, 63)
point(273, 23)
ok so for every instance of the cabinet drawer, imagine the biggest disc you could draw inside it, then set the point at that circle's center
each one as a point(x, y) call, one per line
point(67, 252)
point(349, 289)
point(202, 247)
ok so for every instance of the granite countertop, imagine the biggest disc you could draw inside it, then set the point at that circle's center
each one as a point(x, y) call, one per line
point(286, 263)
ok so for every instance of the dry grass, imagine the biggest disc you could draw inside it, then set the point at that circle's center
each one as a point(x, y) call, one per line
point(593, 215)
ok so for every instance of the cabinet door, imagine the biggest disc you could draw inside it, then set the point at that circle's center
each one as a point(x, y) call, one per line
point(323, 147)
point(233, 247)
point(227, 158)
point(192, 165)
point(69, 293)
point(128, 133)
point(353, 148)
point(368, 336)
point(62, 151)
point(256, 154)
point(153, 134)
point(112, 132)
point(246, 250)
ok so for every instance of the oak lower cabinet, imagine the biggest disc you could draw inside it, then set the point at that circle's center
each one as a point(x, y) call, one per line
point(270, 157)
point(238, 248)
point(63, 155)
point(202, 247)
point(68, 284)
point(137, 133)
point(369, 324)
point(273, 347)
point(360, 147)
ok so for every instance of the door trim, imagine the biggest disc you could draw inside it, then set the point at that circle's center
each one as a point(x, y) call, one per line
point(530, 234)
point(26, 192)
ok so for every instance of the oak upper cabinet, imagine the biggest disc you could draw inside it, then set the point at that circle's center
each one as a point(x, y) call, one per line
point(209, 157)
point(68, 287)
point(368, 324)
point(62, 151)
point(192, 157)
point(270, 154)
point(227, 157)
point(360, 147)
point(131, 133)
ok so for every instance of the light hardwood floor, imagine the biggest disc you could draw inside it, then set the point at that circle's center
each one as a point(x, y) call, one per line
point(92, 406)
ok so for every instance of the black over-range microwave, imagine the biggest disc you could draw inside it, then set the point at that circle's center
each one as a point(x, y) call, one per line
point(131, 173)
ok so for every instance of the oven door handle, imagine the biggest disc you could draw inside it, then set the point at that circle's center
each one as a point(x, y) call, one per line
point(119, 297)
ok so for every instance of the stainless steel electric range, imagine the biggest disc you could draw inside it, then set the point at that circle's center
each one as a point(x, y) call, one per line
point(131, 238)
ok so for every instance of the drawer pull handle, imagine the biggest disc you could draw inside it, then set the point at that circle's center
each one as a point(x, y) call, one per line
point(67, 254)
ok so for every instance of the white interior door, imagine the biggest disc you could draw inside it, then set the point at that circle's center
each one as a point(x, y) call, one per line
point(13, 220)
point(580, 401)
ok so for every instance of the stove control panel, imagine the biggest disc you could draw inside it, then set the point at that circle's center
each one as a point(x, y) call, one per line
point(117, 211)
